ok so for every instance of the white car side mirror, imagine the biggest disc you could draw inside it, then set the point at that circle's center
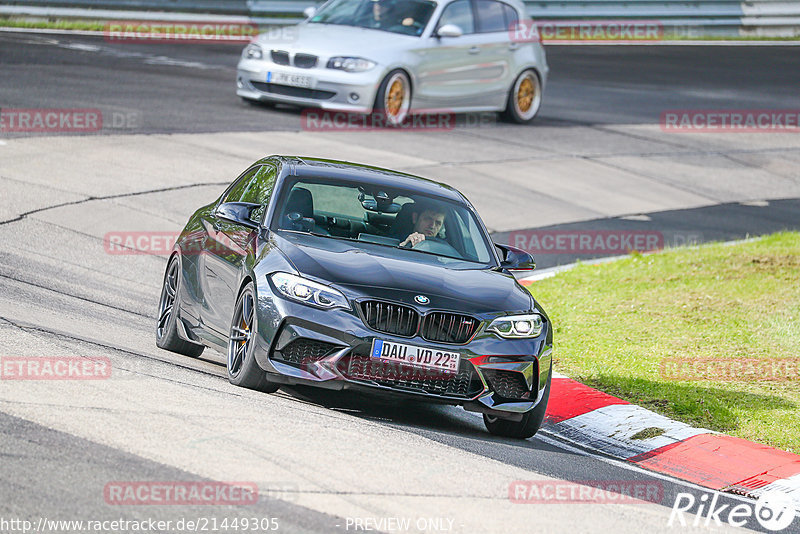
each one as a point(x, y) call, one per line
point(449, 30)
point(309, 11)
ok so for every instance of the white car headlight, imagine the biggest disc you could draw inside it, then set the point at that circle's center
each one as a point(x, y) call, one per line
point(350, 64)
point(517, 326)
point(303, 290)
point(253, 51)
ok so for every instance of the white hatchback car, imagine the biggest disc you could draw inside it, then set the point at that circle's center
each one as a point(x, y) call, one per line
point(401, 57)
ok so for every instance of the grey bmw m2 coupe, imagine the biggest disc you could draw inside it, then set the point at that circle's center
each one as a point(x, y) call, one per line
point(345, 276)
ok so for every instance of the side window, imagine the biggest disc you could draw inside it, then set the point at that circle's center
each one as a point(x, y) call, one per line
point(512, 18)
point(460, 14)
point(238, 189)
point(259, 190)
point(491, 16)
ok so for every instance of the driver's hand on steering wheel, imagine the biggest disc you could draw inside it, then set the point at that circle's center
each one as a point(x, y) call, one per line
point(413, 239)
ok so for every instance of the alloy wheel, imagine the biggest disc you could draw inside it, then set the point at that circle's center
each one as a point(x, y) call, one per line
point(241, 334)
point(167, 301)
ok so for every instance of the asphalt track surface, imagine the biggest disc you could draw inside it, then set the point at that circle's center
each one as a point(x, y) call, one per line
point(319, 459)
point(188, 88)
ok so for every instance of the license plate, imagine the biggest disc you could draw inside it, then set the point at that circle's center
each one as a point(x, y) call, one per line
point(417, 356)
point(295, 80)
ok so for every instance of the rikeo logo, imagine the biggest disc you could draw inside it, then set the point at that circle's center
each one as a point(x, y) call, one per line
point(774, 510)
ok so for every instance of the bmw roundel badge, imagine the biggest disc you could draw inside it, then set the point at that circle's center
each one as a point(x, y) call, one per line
point(422, 299)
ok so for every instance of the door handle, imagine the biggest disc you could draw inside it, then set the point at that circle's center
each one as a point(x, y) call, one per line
point(513, 46)
point(474, 50)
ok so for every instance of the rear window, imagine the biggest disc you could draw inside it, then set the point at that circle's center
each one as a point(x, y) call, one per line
point(492, 16)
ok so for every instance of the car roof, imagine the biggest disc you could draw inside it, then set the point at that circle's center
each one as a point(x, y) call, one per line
point(329, 168)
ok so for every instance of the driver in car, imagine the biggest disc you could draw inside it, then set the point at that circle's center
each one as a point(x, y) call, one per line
point(427, 223)
point(385, 15)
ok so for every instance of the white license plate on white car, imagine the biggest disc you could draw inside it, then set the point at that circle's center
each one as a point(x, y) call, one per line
point(417, 356)
point(295, 80)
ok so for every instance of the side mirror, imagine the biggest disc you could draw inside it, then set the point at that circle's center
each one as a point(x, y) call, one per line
point(449, 30)
point(239, 212)
point(515, 259)
point(309, 12)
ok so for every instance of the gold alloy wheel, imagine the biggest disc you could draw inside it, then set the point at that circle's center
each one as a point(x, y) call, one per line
point(395, 97)
point(241, 334)
point(525, 95)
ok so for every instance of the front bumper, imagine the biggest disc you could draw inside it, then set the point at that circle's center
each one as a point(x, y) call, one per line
point(329, 89)
point(298, 344)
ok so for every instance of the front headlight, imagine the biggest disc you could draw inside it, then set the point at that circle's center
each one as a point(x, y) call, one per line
point(302, 290)
point(517, 326)
point(350, 64)
point(253, 51)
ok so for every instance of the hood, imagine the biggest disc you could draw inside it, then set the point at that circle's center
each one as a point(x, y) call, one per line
point(366, 270)
point(328, 40)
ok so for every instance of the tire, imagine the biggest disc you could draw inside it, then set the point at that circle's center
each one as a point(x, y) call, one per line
point(167, 336)
point(241, 362)
point(530, 423)
point(524, 98)
point(393, 99)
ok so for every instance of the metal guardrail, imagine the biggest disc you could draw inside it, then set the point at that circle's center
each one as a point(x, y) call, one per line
point(773, 17)
point(226, 7)
point(730, 17)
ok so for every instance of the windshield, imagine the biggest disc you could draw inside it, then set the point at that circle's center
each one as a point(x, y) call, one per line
point(419, 226)
point(408, 17)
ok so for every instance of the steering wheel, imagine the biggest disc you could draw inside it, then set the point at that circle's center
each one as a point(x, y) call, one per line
point(415, 28)
point(436, 245)
point(418, 27)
